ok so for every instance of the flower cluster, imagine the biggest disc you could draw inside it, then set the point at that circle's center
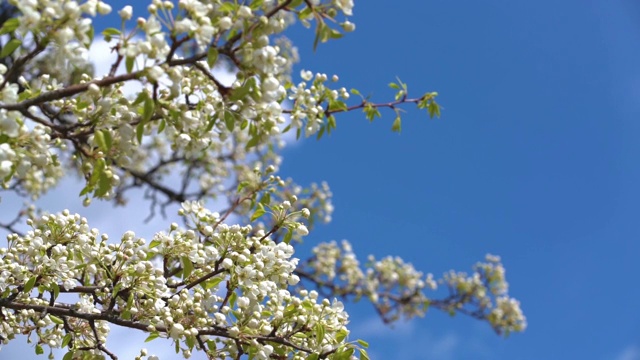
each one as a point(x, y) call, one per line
point(397, 289)
point(210, 283)
point(226, 282)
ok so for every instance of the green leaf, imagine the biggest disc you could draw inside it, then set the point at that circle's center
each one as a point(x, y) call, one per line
point(252, 142)
point(266, 199)
point(187, 267)
point(212, 56)
point(111, 32)
point(55, 290)
point(363, 343)
point(90, 34)
point(10, 47)
point(104, 185)
point(229, 120)
point(331, 123)
point(68, 355)
point(256, 4)
point(288, 236)
point(341, 335)
point(242, 185)
point(210, 284)
point(152, 337)
point(344, 354)
point(39, 350)
point(434, 109)
point(212, 122)
point(313, 356)
point(241, 92)
point(66, 340)
point(9, 26)
point(396, 127)
point(87, 189)
point(140, 98)
point(259, 212)
point(364, 355)
point(319, 31)
point(212, 345)
point(128, 62)
point(232, 299)
point(319, 333)
point(190, 341)
point(335, 34)
point(337, 105)
point(162, 125)
point(56, 319)
point(371, 112)
point(148, 109)
point(227, 7)
point(139, 132)
point(30, 283)
point(100, 140)
point(154, 243)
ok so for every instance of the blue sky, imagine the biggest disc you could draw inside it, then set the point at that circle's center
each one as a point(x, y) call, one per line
point(535, 159)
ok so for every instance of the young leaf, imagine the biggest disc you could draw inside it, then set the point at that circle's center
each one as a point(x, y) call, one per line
point(66, 339)
point(104, 185)
point(108, 139)
point(187, 267)
point(10, 47)
point(110, 32)
point(30, 283)
point(148, 109)
point(56, 320)
point(9, 26)
point(128, 62)
point(212, 57)
point(229, 120)
point(396, 127)
point(364, 355)
point(259, 212)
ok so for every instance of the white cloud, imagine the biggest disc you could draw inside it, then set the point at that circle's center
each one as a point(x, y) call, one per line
point(631, 352)
point(403, 336)
point(125, 343)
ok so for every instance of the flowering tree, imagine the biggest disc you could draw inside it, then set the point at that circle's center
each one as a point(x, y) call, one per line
point(225, 280)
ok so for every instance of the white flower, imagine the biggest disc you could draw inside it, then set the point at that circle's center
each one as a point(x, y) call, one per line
point(155, 72)
point(306, 75)
point(348, 26)
point(224, 23)
point(244, 11)
point(5, 168)
point(302, 230)
point(126, 13)
point(346, 6)
point(103, 8)
point(176, 331)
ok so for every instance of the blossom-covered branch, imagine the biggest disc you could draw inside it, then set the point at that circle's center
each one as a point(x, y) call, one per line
point(226, 281)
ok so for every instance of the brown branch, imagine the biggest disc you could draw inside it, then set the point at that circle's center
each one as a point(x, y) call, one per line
point(20, 62)
point(70, 91)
